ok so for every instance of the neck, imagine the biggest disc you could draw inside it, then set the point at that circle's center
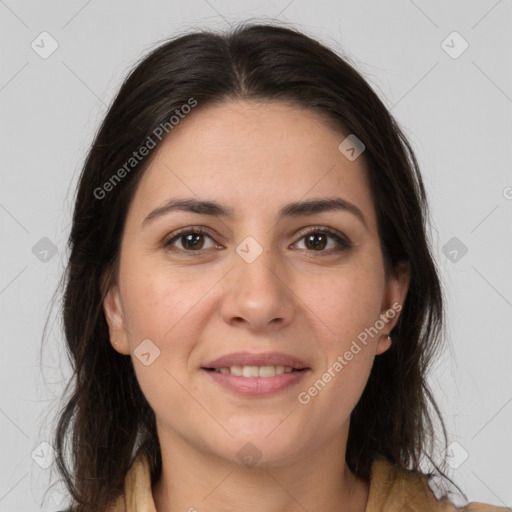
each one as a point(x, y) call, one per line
point(193, 480)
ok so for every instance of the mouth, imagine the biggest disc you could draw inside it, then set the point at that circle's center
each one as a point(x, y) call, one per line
point(250, 364)
point(256, 381)
point(256, 375)
point(248, 371)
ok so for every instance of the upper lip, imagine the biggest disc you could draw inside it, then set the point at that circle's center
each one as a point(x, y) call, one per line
point(251, 359)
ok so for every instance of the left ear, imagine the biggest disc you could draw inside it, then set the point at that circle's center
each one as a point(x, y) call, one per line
point(395, 293)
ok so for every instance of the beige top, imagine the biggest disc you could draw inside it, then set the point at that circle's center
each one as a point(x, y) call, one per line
point(391, 489)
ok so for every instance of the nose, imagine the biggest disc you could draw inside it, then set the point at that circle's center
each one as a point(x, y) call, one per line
point(258, 294)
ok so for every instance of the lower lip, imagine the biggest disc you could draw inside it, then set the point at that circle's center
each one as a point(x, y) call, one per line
point(257, 386)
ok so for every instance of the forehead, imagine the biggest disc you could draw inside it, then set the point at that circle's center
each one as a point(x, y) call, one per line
point(255, 157)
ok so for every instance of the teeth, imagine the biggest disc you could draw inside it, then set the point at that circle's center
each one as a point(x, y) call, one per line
point(237, 370)
point(256, 371)
point(266, 371)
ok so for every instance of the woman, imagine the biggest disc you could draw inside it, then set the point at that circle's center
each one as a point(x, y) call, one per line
point(251, 303)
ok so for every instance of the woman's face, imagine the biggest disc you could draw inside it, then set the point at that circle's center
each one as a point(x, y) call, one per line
point(258, 283)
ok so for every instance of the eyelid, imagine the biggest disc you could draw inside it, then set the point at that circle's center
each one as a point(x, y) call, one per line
point(343, 241)
point(184, 231)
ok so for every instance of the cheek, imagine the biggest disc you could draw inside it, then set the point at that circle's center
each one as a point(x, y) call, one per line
point(344, 303)
point(165, 309)
point(161, 303)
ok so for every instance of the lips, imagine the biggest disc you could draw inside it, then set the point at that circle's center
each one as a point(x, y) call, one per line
point(256, 375)
point(250, 359)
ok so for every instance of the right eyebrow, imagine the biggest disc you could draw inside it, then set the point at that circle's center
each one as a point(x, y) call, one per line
point(191, 205)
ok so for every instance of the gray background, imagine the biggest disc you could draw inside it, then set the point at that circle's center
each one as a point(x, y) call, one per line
point(455, 109)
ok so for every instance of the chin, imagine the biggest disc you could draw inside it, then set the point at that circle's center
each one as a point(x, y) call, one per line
point(263, 446)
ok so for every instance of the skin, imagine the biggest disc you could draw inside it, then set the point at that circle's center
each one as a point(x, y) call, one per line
point(295, 298)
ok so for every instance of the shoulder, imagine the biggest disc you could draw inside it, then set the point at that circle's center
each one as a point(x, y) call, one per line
point(483, 507)
point(394, 488)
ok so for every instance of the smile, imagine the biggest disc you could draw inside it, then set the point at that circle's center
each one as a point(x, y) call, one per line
point(255, 371)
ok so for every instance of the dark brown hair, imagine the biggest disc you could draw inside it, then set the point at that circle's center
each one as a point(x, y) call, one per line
point(106, 420)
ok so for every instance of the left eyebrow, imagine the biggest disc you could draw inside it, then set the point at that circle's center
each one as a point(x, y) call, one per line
point(312, 206)
point(297, 209)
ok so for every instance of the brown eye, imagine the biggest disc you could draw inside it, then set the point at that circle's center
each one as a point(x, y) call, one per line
point(316, 240)
point(191, 240)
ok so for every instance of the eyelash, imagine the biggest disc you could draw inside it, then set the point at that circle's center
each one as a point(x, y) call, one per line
point(343, 242)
